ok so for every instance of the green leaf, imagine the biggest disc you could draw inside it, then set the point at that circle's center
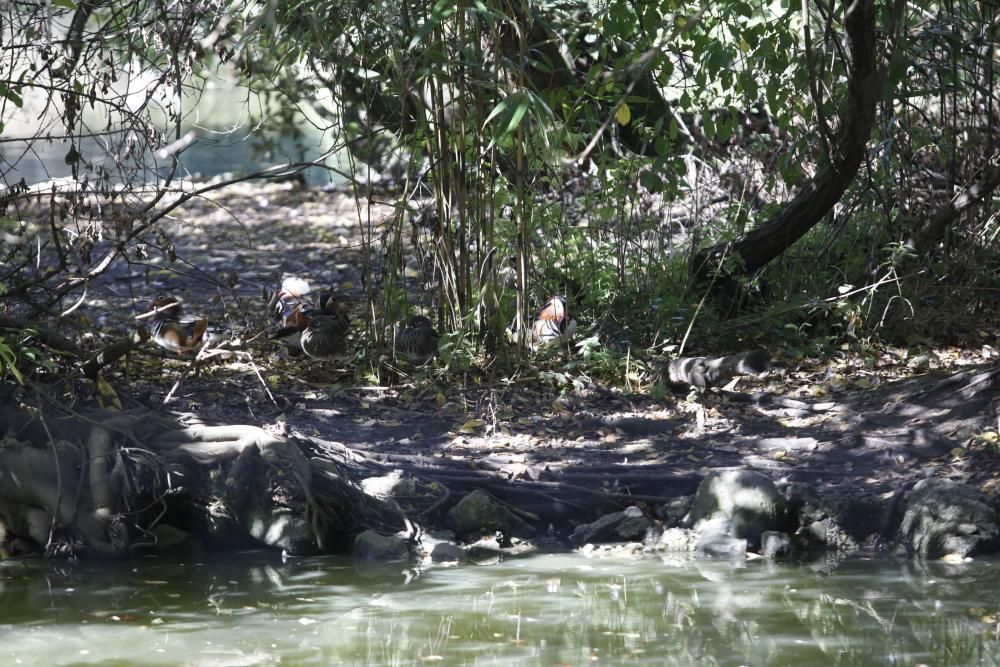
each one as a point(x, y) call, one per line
point(501, 107)
point(441, 11)
point(726, 79)
point(515, 119)
point(7, 360)
point(750, 88)
point(661, 146)
point(651, 18)
point(510, 112)
point(10, 95)
point(68, 4)
point(624, 114)
point(771, 92)
point(724, 130)
point(708, 127)
point(651, 181)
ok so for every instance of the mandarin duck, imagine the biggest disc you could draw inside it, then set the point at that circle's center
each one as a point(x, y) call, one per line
point(169, 331)
point(292, 302)
point(325, 336)
point(295, 310)
point(417, 341)
point(552, 324)
point(292, 326)
point(293, 287)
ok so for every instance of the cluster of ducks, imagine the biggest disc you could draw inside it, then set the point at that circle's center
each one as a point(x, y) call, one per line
point(321, 330)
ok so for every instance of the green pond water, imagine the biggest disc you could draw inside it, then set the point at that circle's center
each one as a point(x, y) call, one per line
point(254, 609)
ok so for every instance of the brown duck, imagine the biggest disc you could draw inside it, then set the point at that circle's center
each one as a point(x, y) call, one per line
point(417, 341)
point(170, 332)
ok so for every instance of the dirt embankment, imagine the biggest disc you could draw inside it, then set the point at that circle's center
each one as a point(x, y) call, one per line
point(860, 441)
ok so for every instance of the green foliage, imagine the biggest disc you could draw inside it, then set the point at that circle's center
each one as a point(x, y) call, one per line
point(569, 148)
point(8, 358)
point(8, 362)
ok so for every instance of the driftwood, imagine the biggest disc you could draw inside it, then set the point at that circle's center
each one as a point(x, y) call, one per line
point(703, 373)
point(101, 482)
point(116, 350)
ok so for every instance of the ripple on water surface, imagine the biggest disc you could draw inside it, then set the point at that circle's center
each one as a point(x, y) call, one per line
point(544, 610)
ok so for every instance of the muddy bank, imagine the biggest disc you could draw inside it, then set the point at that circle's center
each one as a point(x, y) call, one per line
point(909, 468)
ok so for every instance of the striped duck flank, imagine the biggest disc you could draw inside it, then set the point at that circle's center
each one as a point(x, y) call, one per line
point(291, 330)
point(325, 337)
point(552, 324)
point(417, 341)
point(170, 332)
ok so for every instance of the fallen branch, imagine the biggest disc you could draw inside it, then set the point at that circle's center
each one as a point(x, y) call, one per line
point(114, 351)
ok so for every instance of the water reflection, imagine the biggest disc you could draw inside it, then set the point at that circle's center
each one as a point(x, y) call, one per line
point(223, 117)
point(40, 160)
point(546, 610)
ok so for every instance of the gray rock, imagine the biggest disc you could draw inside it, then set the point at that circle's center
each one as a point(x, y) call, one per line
point(717, 524)
point(774, 544)
point(388, 486)
point(829, 534)
point(840, 522)
point(945, 518)
point(677, 540)
point(280, 528)
point(721, 546)
point(479, 513)
point(673, 512)
point(620, 550)
point(630, 524)
point(370, 545)
point(485, 551)
point(739, 503)
point(447, 552)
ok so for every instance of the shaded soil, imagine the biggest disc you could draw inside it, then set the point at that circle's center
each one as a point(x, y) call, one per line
point(845, 426)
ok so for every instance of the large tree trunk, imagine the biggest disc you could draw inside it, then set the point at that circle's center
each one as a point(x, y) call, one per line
point(759, 246)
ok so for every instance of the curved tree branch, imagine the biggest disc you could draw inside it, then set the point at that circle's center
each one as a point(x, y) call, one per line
point(74, 35)
point(933, 229)
point(758, 247)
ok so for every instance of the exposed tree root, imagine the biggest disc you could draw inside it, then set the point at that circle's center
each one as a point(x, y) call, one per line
point(104, 483)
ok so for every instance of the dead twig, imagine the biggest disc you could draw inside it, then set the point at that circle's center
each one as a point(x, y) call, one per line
point(114, 351)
